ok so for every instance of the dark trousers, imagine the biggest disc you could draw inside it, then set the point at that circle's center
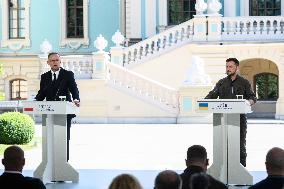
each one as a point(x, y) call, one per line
point(243, 133)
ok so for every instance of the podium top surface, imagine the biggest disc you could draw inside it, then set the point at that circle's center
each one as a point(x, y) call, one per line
point(49, 107)
point(228, 106)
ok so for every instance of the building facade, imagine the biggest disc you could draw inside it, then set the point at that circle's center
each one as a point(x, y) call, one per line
point(144, 81)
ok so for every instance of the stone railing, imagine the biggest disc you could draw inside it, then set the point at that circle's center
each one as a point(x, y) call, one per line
point(14, 105)
point(80, 65)
point(207, 29)
point(138, 85)
point(153, 45)
point(258, 28)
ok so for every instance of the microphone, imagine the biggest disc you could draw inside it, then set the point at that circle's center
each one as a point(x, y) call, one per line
point(217, 87)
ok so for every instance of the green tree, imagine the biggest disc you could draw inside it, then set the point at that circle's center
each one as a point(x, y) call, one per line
point(175, 12)
point(267, 86)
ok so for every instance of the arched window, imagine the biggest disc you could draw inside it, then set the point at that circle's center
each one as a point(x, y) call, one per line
point(265, 7)
point(266, 86)
point(180, 11)
point(18, 89)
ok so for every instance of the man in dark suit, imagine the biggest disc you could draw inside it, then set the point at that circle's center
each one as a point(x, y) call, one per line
point(59, 82)
point(197, 162)
point(275, 169)
point(12, 177)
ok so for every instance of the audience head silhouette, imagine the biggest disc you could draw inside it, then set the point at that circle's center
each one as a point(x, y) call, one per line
point(14, 159)
point(197, 155)
point(12, 177)
point(275, 162)
point(199, 181)
point(125, 181)
point(168, 180)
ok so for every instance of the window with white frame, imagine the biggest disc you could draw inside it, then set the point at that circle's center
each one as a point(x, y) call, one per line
point(16, 19)
point(180, 11)
point(74, 23)
point(19, 89)
point(15, 24)
point(265, 7)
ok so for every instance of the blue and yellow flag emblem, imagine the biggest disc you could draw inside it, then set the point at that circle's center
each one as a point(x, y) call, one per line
point(203, 106)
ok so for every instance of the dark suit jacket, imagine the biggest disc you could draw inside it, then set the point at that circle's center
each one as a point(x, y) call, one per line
point(271, 182)
point(188, 172)
point(65, 85)
point(18, 181)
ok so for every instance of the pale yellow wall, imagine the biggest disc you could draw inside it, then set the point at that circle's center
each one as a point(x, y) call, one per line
point(99, 100)
point(249, 68)
point(22, 68)
point(169, 69)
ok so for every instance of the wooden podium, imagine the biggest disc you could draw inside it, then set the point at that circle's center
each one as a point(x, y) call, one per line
point(54, 165)
point(226, 165)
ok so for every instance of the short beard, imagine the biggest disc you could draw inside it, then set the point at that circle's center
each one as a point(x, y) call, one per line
point(231, 74)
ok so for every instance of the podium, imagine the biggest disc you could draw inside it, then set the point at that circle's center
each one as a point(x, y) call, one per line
point(226, 165)
point(54, 165)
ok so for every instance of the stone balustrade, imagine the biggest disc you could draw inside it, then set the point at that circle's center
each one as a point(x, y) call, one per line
point(143, 87)
point(207, 29)
point(258, 28)
point(175, 35)
point(80, 65)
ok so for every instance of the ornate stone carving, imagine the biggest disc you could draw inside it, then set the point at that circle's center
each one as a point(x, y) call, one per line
point(45, 47)
point(196, 75)
point(200, 7)
point(214, 6)
point(118, 38)
point(100, 43)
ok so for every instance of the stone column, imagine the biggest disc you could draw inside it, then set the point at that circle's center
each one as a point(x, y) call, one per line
point(163, 14)
point(200, 24)
point(100, 58)
point(116, 52)
point(230, 8)
point(280, 102)
point(99, 65)
point(282, 7)
point(117, 55)
point(214, 28)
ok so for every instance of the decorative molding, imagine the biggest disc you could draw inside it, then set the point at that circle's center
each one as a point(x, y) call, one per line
point(73, 43)
point(15, 44)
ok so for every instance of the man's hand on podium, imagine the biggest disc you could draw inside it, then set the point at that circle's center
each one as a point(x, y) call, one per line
point(77, 102)
point(251, 102)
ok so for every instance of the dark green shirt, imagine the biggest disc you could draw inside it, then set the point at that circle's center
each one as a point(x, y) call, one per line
point(228, 89)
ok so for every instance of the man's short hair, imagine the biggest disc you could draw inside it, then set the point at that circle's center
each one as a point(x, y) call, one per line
point(168, 180)
point(236, 61)
point(275, 159)
point(52, 53)
point(196, 153)
point(13, 155)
